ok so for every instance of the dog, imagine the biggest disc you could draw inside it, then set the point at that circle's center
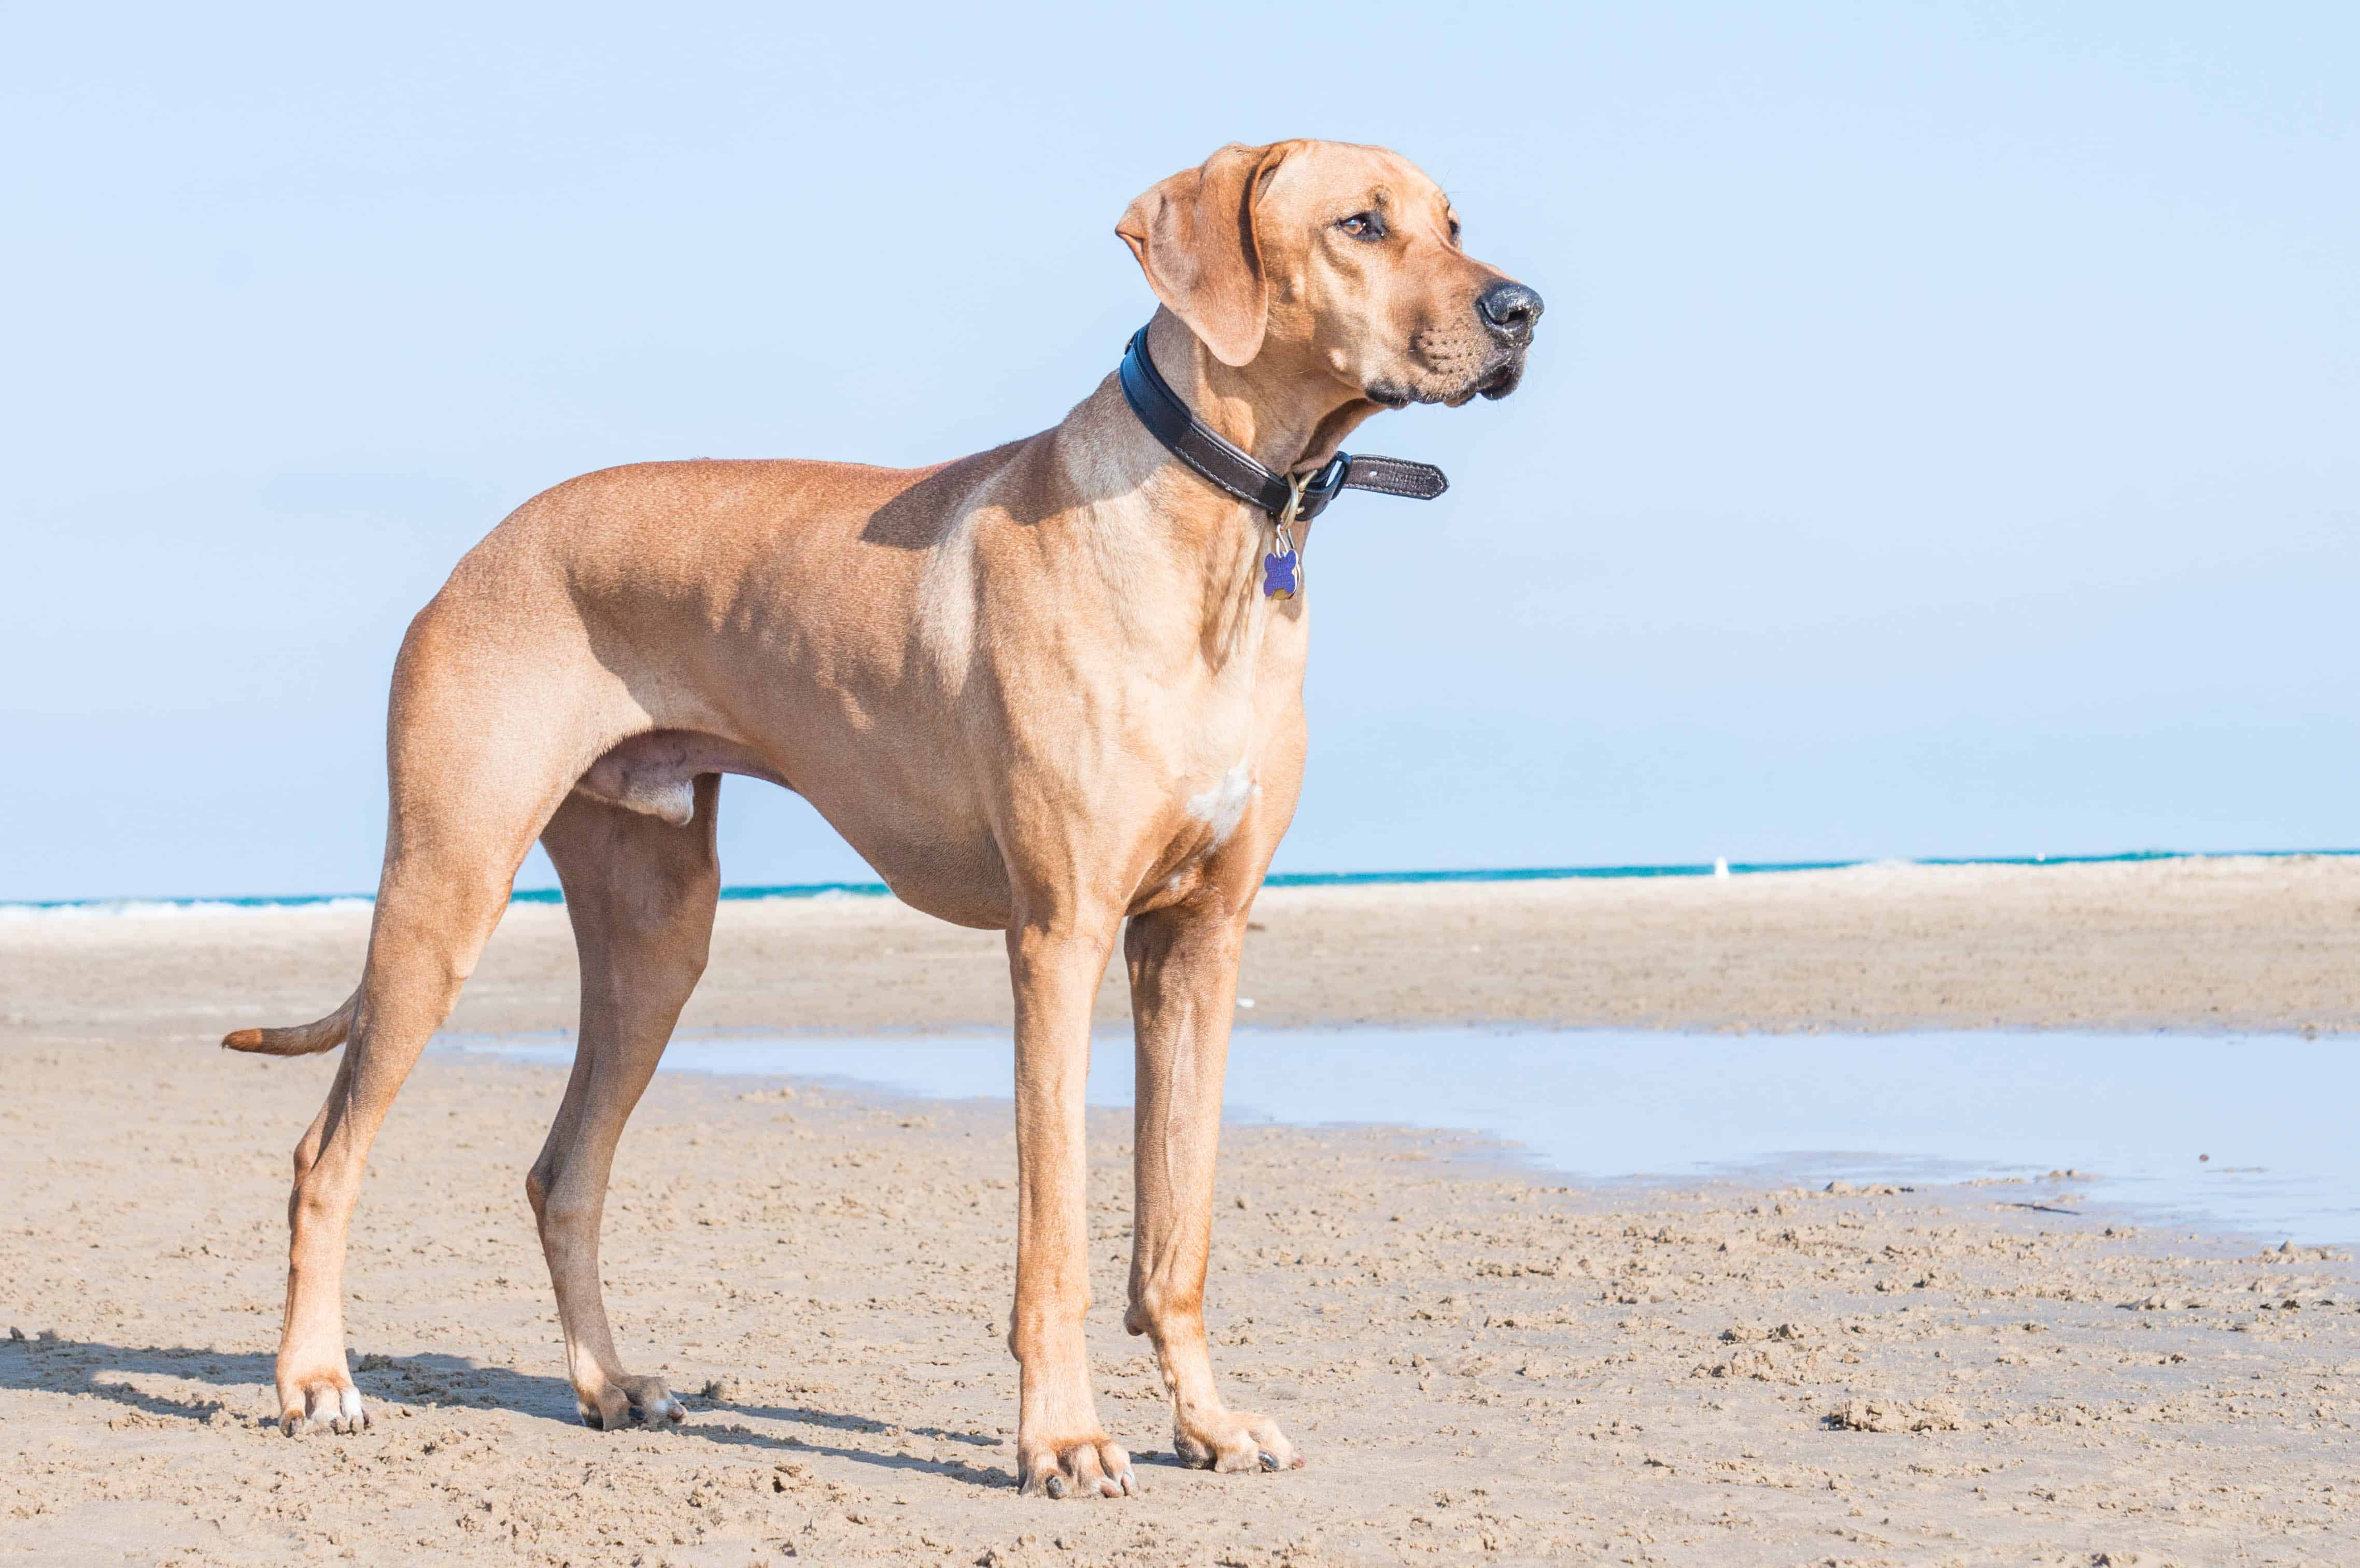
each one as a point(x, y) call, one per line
point(1052, 689)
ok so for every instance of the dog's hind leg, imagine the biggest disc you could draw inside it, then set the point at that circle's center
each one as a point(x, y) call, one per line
point(1184, 989)
point(641, 893)
point(482, 743)
point(435, 910)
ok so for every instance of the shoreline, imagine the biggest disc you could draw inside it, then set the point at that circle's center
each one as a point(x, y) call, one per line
point(2226, 946)
point(1480, 1155)
point(1869, 1127)
point(227, 904)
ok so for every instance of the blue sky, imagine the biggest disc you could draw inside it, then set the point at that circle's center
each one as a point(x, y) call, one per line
point(1941, 440)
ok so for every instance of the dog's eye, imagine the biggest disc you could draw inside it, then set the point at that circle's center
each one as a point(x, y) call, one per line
point(1363, 226)
point(1454, 231)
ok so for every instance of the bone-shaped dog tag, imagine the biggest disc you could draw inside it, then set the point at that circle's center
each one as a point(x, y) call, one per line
point(1282, 569)
point(1280, 575)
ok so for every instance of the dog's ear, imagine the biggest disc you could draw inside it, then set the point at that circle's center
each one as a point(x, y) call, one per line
point(1194, 235)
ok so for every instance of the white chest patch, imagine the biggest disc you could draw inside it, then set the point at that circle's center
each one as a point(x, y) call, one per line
point(1223, 806)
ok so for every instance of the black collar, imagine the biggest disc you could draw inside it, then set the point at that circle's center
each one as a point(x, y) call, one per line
point(1227, 467)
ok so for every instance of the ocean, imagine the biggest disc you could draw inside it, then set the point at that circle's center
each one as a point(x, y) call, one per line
point(221, 905)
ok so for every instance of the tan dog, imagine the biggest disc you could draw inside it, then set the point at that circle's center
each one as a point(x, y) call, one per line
point(1039, 689)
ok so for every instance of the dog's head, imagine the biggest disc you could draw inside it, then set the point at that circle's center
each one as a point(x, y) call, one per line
point(1339, 260)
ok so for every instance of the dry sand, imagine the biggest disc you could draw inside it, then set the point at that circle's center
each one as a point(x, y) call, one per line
point(1482, 1365)
point(2228, 943)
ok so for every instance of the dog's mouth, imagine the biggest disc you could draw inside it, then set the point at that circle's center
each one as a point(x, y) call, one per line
point(1501, 382)
point(1494, 379)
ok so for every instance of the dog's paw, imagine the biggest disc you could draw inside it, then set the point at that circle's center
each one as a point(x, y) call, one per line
point(615, 1405)
point(1085, 1467)
point(322, 1404)
point(1234, 1441)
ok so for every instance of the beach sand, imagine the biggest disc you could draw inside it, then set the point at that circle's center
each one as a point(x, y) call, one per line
point(1480, 1362)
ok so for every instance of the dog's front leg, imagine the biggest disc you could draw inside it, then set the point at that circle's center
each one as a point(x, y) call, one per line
point(1061, 1449)
point(1183, 990)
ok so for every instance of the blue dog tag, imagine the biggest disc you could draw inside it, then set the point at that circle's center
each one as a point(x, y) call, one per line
point(1282, 569)
point(1280, 575)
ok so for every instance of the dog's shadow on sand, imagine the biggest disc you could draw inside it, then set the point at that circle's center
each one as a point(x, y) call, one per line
point(428, 1383)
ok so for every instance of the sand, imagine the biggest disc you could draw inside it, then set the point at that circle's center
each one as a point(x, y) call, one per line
point(1480, 1362)
point(2239, 942)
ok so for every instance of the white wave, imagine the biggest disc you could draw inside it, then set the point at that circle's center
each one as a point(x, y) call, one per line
point(169, 908)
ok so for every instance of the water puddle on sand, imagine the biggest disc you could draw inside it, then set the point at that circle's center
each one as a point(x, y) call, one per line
point(2251, 1134)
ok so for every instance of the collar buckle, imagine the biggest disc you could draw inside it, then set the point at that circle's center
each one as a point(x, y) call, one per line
point(1314, 491)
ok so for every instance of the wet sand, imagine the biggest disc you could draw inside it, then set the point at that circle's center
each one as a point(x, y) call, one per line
point(1480, 1362)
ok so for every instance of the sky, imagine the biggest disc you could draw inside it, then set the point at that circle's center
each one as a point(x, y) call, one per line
point(1944, 438)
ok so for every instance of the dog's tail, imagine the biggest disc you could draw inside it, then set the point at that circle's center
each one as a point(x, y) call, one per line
point(303, 1040)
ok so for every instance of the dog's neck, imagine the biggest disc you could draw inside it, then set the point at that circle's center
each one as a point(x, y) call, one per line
point(1284, 408)
point(1288, 411)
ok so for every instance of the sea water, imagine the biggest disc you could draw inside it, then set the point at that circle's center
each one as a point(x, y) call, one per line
point(2249, 1134)
point(1723, 867)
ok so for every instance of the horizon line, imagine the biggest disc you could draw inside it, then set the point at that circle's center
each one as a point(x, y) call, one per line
point(753, 892)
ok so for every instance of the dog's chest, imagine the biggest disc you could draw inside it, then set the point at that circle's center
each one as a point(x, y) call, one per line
point(1229, 757)
point(1222, 803)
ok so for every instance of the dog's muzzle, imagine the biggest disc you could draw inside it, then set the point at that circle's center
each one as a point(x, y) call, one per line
point(1510, 313)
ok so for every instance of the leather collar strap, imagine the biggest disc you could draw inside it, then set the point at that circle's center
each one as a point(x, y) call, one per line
point(1226, 467)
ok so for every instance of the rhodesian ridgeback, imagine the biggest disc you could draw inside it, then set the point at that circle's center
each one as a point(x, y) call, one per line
point(1054, 689)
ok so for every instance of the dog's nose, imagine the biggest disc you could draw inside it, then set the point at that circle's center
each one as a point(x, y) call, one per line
point(1510, 309)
